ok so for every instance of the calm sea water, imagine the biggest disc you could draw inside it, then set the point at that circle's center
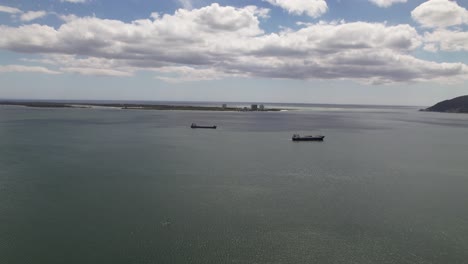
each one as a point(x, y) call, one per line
point(388, 185)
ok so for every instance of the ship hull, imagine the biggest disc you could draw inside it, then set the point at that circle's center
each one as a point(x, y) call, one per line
point(318, 138)
point(204, 127)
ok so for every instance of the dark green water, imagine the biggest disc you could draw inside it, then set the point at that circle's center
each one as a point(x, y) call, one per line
point(113, 186)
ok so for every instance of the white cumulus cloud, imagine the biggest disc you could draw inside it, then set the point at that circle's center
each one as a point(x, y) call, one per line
point(440, 13)
point(218, 41)
point(23, 68)
point(186, 4)
point(386, 3)
point(32, 15)
point(10, 10)
point(74, 1)
point(96, 71)
point(313, 8)
point(23, 16)
point(446, 40)
point(177, 74)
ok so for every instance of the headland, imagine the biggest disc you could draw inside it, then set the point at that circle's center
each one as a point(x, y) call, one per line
point(455, 105)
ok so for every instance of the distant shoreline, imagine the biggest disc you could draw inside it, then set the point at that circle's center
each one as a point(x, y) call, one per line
point(127, 106)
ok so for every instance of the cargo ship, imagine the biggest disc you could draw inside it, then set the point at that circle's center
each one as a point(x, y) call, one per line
point(297, 137)
point(197, 126)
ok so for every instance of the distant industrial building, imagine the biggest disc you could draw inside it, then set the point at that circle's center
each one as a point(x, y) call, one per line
point(224, 106)
point(262, 107)
point(254, 107)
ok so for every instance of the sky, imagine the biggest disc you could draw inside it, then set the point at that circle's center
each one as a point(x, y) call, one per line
point(391, 52)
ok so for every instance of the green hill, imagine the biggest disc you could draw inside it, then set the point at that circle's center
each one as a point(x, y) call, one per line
point(455, 105)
